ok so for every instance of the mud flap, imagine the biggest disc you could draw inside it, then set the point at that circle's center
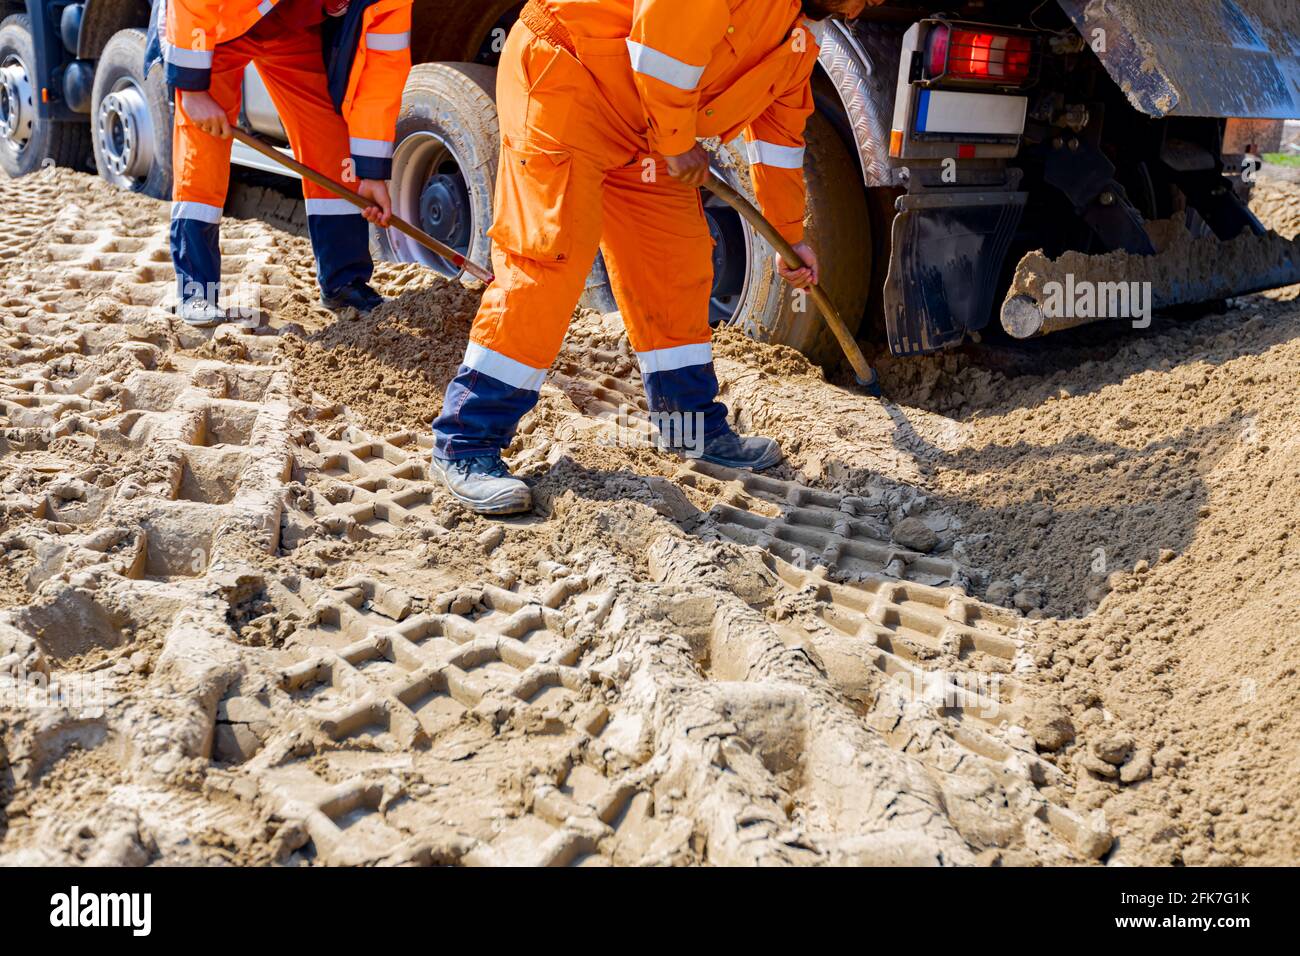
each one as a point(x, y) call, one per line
point(948, 251)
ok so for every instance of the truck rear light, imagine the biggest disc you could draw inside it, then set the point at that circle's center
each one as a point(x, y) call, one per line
point(976, 111)
point(979, 55)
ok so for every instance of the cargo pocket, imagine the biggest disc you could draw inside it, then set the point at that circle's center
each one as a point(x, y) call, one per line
point(532, 206)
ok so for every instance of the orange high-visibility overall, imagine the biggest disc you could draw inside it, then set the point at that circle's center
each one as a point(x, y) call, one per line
point(593, 94)
point(208, 46)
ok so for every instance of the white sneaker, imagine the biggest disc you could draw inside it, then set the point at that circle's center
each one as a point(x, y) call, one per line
point(201, 314)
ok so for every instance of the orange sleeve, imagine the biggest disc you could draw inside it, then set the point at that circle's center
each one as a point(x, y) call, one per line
point(776, 146)
point(190, 38)
point(670, 46)
point(377, 98)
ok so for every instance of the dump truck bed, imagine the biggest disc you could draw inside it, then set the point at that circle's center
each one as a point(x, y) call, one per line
point(1235, 58)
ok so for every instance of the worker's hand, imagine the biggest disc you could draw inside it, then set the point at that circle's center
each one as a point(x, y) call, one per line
point(806, 277)
point(690, 169)
point(205, 112)
point(376, 190)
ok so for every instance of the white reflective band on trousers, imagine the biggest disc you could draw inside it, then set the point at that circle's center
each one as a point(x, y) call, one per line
point(650, 62)
point(331, 207)
point(681, 356)
point(200, 211)
point(504, 369)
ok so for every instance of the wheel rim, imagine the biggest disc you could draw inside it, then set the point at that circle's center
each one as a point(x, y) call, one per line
point(17, 104)
point(430, 190)
point(124, 130)
point(733, 252)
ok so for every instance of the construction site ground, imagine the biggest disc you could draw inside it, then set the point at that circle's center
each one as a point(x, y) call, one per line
point(1041, 607)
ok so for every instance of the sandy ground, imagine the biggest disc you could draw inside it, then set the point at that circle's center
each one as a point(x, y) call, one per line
point(1039, 609)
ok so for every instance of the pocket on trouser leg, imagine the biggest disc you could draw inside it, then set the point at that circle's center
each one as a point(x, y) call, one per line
point(533, 212)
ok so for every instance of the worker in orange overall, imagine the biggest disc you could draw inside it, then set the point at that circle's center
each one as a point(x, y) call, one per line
point(602, 103)
point(340, 116)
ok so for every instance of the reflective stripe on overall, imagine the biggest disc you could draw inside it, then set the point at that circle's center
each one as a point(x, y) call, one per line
point(580, 171)
point(294, 73)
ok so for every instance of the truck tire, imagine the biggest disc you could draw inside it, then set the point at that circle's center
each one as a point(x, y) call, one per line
point(838, 228)
point(131, 119)
point(444, 164)
point(28, 141)
point(448, 130)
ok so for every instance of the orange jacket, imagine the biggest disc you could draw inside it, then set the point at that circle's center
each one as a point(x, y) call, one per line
point(687, 69)
point(379, 36)
point(375, 81)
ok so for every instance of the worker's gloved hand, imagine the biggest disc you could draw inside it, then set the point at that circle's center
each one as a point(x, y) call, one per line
point(205, 112)
point(690, 169)
point(376, 190)
point(806, 277)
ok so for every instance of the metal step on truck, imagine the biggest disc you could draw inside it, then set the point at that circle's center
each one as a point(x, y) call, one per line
point(1022, 165)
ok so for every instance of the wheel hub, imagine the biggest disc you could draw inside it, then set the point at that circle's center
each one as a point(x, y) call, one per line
point(445, 211)
point(17, 104)
point(125, 131)
point(428, 188)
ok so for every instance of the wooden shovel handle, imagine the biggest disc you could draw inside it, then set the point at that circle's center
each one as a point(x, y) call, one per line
point(338, 189)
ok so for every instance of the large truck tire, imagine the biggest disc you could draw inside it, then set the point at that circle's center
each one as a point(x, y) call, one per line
point(131, 119)
point(27, 141)
point(839, 230)
point(444, 164)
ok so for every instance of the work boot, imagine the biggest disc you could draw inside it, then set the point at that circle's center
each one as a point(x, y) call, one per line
point(484, 485)
point(750, 454)
point(357, 296)
point(201, 314)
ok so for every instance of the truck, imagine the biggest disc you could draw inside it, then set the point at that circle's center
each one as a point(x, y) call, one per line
point(958, 161)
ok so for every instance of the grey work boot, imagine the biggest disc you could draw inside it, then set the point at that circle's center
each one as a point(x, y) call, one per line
point(484, 485)
point(201, 314)
point(751, 454)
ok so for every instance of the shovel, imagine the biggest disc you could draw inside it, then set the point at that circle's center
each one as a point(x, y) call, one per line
point(395, 222)
point(862, 369)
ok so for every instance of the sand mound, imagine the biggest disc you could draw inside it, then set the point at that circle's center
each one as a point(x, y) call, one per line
point(1277, 204)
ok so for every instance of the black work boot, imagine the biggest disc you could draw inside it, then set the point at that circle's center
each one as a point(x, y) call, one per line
point(357, 296)
point(732, 451)
point(484, 485)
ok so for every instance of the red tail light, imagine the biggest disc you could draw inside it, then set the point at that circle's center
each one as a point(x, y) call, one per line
point(979, 56)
